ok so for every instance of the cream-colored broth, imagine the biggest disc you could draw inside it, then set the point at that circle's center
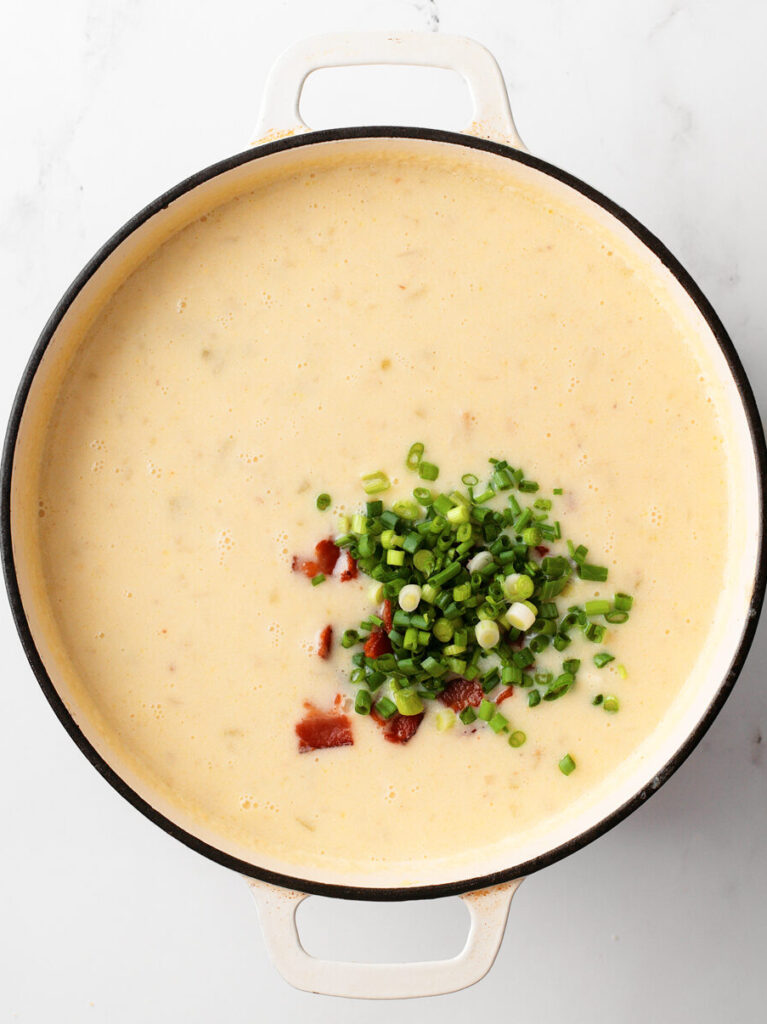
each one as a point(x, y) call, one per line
point(284, 344)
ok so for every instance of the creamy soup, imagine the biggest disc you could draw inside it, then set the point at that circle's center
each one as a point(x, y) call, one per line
point(288, 342)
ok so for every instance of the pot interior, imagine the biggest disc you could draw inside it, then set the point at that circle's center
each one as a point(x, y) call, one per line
point(641, 772)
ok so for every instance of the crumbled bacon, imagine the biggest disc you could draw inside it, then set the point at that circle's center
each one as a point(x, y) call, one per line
point(325, 640)
point(327, 555)
point(386, 615)
point(304, 565)
point(350, 572)
point(319, 730)
point(542, 550)
point(398, 728)
point(377, 644)
point(461, 693)
point(504, 695)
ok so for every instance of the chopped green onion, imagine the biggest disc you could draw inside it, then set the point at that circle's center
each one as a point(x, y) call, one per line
point(498, 723)
point(594, 633)
point(469, 480)
point(611, 704)
point(457, 515)
point(528, 486)
point(375, 483)
point(623, 602)
point(520, 615)
point(433, 667)
point(319, 578)
point(414, 456)
point(517, 738)
point(614, 618)
point(533, 698)
point(423, 496)
point(598, 700)
point(602, 659)
point(409, 597)
point(557, 490)
point(428, 471)
point(622, 671)
point(323, 501)
point(486, 710)
point(468, 715)
point(567, 765)
point(443, 631)
point(386, 708)
point(596, 607)
point(597, 573)
point(446, 574)
point(445, 720)
point(408, 702)
point(406, 509)
point(423, 561)
point(487, 633)
point(363, 702)
point(518, 587)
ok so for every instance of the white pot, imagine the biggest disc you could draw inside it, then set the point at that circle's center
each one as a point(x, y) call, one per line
point(487, 883)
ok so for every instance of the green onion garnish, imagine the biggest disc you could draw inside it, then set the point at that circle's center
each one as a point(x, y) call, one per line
point(375, 483)
point(596, 607)
point(414, 456)
point(457, 589)
point(386, 708)
point(597, 573)
point(363, 702)
point(486, 710)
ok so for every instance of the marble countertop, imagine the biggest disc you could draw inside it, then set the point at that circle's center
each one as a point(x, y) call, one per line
point(107, 102)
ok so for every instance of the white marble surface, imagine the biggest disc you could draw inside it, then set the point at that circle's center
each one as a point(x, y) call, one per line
point(661, 104)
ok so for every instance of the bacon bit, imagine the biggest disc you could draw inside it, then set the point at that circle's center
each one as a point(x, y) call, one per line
point(326, 639)
point(350, 572)
point(303, 565)
point(542, 550)
point(327, 555)
point(319, 730)
point(398, 728)
point(377, 644)
point(504, 695)
point(386, 615)
point(462, 692)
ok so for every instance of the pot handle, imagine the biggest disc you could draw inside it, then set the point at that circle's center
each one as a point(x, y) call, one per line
point(492, 118)
point(488, 911)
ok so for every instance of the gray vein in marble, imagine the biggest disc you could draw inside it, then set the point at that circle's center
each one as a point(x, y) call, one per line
point(660, 26)
point(430, 9)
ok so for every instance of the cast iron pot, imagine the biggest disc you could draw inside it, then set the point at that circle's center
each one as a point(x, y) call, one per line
point(486, 884)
